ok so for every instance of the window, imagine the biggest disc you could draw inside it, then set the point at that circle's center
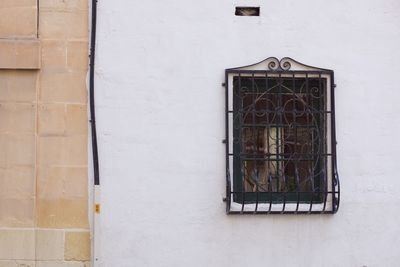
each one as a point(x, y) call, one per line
point(280, 139)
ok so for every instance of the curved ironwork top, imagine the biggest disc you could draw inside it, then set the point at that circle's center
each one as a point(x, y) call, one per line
point(284, 64)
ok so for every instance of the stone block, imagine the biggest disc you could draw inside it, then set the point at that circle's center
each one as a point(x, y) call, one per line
point(60, 119)
point(62, 213)
point(17, 150)
point(18, 20)
point(27, 54)
point(54, 54)
point(52, 119)
point(49, 244)
point(63, 25)
point(51, 150)
point(19, 54)
point(62, 5)
point(18, 244)
point(77, 55)
point(66, 87)
point(17, 3)
point(51, 182)
point(17, 194)
point(56, 182)
point(62, 264)
point(77, 119)
point(76, 150)
point(17, 117)
point(76, 182)
point(62, 150)
point(18, 85)
point(17, 263)
point(17, 182)
point(8, 54)
point(77, 246)
point(16, 212)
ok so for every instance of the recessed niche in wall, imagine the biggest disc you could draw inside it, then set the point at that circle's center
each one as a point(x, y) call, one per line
point(247, 11)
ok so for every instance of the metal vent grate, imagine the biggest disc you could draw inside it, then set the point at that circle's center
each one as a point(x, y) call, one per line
point(247, 11)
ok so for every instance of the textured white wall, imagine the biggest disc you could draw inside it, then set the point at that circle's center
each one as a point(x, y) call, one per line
point(160, 120)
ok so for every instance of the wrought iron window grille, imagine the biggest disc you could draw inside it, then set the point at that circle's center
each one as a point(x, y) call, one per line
point(280, 139)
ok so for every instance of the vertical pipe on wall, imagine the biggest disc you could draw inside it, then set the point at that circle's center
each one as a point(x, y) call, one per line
point(95, 232)
point(91, 93)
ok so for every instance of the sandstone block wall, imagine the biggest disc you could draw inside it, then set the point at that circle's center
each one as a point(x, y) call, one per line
point(43, 133)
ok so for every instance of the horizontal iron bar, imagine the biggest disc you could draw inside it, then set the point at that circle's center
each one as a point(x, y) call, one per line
point(280, 72)
point(289, 154)
point(274, 125)
point(278, 212)
point(269, 159)
point(282, 112)
point(284, 192)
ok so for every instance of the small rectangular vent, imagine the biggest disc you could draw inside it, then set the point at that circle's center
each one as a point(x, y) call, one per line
point(247, 11)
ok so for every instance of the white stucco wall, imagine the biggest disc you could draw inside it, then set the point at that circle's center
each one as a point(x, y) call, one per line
point(160, 109)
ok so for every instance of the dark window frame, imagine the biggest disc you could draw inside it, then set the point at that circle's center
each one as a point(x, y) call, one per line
point(325, 198)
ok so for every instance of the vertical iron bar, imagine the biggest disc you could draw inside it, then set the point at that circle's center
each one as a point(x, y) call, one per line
point(294, 126)
point(227, 142)
point(255, 142)
point(280, 129)
point(315, 152)
point(241, 139)
point(310, 115)
point(335, 202)
point(323, 119)
point(267, 112)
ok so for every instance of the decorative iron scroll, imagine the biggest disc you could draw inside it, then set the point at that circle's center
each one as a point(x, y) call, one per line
point(280, 139)
point(275, 64)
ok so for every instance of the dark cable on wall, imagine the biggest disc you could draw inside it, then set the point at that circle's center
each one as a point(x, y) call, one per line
point(91, 94)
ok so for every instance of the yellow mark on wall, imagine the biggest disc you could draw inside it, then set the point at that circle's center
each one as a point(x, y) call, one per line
point(97, 208)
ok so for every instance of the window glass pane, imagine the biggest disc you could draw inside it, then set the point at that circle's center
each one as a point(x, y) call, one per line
point(278, 125)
